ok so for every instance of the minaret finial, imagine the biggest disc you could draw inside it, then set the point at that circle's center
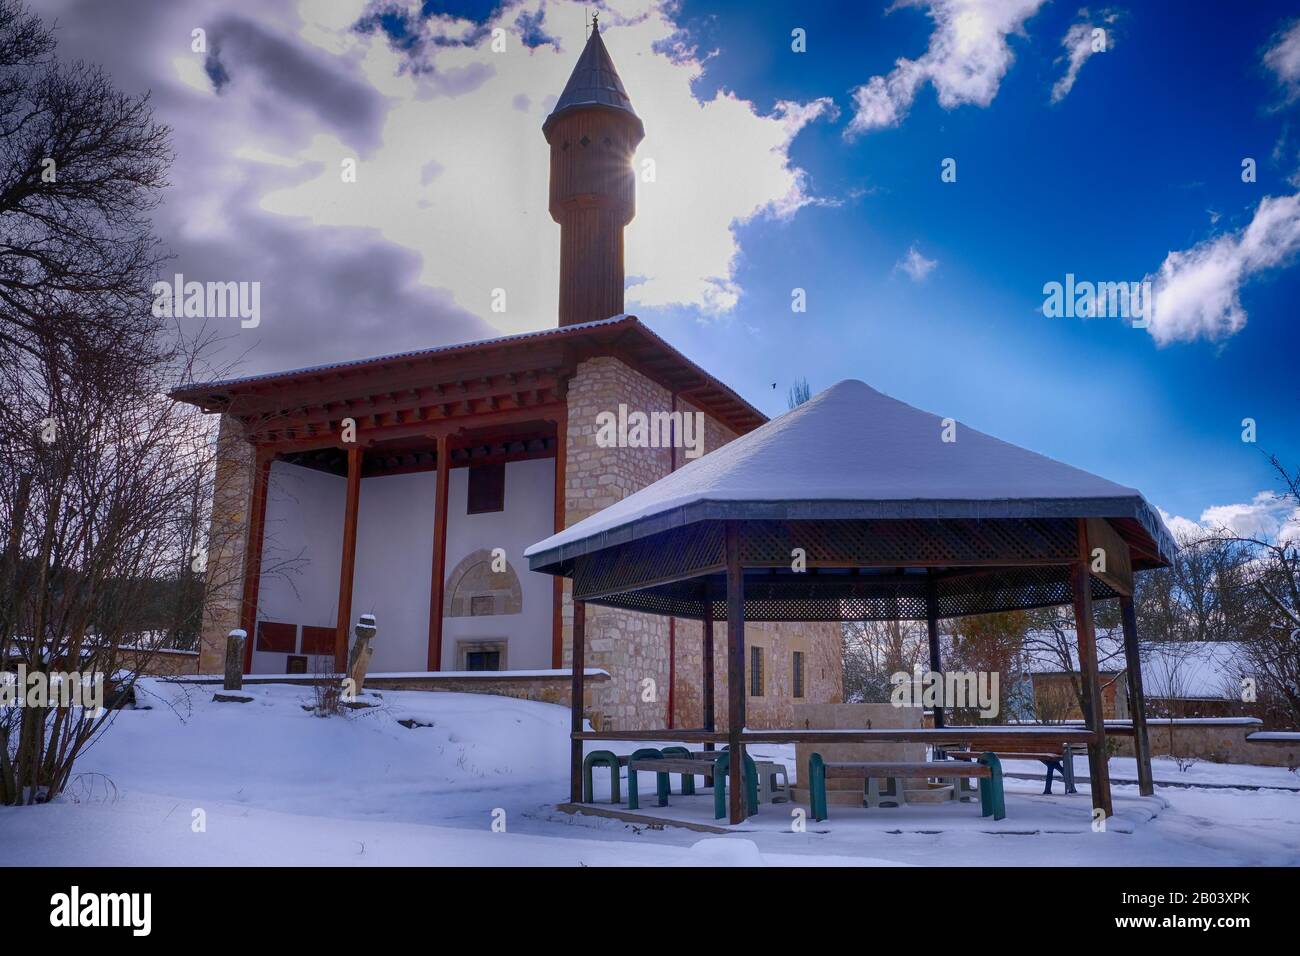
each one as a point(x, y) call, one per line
point(595, 22)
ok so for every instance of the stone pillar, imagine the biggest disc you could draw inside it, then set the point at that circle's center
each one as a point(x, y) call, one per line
point(227, 534)
point(235, 659)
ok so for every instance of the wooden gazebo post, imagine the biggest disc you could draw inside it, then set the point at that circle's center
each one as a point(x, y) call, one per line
point(1093, 715)
point(932, 629)
point(706, 653)
point(575, 699)
point(1137, 698)
point(735, 672)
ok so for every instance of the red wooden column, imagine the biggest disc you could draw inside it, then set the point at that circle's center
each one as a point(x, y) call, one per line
point(672, 621)
point(735, 673)
point(1080, 584)
point(575, 699)
point(557, 582)
point(438, 575)
point(349, 562)
point(932, 629)
point(253, 552)
point(1137, 698)
point(706, 654)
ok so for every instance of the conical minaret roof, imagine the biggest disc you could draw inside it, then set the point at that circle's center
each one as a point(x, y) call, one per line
point(594, 82)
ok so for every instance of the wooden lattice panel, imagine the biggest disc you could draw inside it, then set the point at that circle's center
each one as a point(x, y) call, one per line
point(671, 555)
point(906, 542)
point(791, 597)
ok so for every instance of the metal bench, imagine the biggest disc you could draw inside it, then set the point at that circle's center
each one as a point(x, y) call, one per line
point(1057, 759)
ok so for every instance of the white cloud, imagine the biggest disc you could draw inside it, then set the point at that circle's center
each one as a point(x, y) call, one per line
point(482, 222)
point(1266, 517)
point(1081, 42)
point(966, 60)
point(915, 264)
point(1197, 292)
point(1283, 59)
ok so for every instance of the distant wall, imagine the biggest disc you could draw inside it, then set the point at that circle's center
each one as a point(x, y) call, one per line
point(1221, 740)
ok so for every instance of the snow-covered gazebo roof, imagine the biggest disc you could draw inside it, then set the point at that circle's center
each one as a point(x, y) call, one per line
point(853, 453)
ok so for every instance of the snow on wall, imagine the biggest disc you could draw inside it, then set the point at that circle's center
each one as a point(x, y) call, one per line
point(304, 518)
point(395, 521)
point(529, 515)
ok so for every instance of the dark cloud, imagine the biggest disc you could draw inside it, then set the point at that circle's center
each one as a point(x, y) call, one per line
point(327, 293)
point(299, 77)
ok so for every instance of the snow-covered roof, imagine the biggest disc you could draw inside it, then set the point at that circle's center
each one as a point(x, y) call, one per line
point(1200, 670)
point(851, 446)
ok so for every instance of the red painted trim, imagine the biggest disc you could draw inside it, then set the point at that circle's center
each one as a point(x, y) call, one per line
point(672, 621)
point(348, 565)
point(557, 584)
point(253, 553)
point(438, 575)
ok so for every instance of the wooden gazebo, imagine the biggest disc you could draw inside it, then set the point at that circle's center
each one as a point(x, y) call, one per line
point(897, 514)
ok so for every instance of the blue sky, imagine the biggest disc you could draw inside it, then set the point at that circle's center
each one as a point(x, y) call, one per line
point(1103, 184)
point(777, 170)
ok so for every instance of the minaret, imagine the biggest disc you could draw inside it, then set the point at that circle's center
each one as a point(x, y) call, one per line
point(592, 133)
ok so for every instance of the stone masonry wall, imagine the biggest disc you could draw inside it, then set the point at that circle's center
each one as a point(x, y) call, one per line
point(633, 647)
point(227, 534)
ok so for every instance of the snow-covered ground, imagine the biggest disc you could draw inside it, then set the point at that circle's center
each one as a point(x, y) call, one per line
point(478, 783)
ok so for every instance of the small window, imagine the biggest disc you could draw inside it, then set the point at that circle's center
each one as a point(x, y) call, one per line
point(798, 674)
point(487, 489)
point(755, 672)
point(482, 660)
point(481, 655)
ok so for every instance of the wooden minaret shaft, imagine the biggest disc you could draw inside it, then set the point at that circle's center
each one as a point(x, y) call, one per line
point(593, 197)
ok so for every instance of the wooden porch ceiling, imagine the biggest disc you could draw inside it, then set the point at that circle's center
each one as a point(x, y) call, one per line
point(521, 442)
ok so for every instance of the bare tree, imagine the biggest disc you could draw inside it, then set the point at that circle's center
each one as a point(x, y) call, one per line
point(876, 650)
point(1272, 644)
point(799, 393)
point(103, 479)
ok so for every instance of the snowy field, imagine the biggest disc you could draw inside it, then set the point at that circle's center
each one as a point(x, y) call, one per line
point(273, 785)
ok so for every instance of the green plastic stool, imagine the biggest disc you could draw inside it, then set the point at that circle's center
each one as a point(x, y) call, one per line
point(721, 768)
point(661, 779)
point(600, 758)
point(688, 780)
point(992, 798)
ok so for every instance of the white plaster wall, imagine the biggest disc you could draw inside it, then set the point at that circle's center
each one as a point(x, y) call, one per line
point(304, 519)
point(395, 520)
point(528, 517)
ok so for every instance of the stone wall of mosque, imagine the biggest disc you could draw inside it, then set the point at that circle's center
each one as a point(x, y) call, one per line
point(227, 533)
point(636, 648)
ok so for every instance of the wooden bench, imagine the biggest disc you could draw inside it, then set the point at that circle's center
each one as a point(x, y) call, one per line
point(1056, 758)
point(986, 767)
